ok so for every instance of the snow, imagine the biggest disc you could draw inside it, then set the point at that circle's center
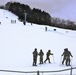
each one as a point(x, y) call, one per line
point(17, 42)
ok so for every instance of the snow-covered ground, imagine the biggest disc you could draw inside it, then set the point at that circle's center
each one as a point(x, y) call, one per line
point(18, 41)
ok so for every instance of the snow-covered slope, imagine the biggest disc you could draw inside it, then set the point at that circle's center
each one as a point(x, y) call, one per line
point(6, 17)
point(17, 43)
point(6, 13)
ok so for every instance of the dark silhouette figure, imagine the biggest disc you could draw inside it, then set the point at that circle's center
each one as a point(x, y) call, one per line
point(24, 23)
point(45, 28)
point(66, 57)
point(48, 56)
point(0, 22)
point(41, 53)
point(35, 54)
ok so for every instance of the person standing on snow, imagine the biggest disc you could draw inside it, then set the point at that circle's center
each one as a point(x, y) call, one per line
point(35, 54)
point(41, 53)
point(66, 57)
point(48, 56)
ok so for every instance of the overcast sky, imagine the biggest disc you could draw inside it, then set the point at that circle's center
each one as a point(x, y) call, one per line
point(61, 8)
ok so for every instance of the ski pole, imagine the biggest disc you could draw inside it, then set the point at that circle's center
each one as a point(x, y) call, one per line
point(71, 61)
point(53, 59)
point(60, 60)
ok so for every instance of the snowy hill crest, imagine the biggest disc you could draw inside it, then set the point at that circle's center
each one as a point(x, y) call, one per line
point(7, 16)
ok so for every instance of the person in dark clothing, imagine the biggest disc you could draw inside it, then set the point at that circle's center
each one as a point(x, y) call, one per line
point(35, 54)
point(66, 57)
point(41, 53)
point(48, 56)
point(24, 23)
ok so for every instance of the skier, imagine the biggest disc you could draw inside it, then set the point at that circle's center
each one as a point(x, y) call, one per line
point(45, 28)
point(24, 23)
point(35, 54)
point(41, 53)
point(0, 22)
point(48, 56)
point(66, 57)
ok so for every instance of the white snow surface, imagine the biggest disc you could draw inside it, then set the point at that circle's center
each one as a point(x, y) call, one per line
point(18, 41)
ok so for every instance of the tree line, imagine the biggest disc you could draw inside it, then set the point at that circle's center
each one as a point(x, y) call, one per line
point(38, 16)
point(33, 15)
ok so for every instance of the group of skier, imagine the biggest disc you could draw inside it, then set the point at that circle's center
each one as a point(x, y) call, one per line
point(66, 56)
